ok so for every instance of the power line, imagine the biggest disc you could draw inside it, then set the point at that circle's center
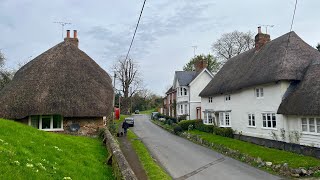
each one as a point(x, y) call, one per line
point(135, 29)
point(294, 13)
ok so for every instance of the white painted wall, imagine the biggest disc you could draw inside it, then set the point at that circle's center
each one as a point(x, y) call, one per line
point(244, 102)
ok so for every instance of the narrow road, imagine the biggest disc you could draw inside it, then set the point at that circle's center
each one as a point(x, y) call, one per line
point(183, 159)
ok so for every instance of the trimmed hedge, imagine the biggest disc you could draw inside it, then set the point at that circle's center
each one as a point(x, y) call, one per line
point(177, 129)
point(225, 132)
point(204, 128)
point(185, 124)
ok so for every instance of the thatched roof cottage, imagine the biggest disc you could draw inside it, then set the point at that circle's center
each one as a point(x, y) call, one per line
point(62, 89)
point(274, 86)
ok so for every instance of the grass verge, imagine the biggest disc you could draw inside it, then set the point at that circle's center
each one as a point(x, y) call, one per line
point(153, 170)
point(28, 153)
point(148, 111)
point(267, 154)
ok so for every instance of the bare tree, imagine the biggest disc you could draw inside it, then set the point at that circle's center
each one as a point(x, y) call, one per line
point(5, 75)
point(232, 44)
point(127, 72)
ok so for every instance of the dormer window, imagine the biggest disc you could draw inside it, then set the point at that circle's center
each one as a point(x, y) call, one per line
point(228, 97)
point(210, 99)
point(185, 91)
point(259, 93)
point(181, 91)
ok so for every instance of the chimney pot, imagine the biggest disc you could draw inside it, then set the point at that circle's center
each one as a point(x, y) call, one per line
point(259, 30)
point(75, 34)
point(68, 33)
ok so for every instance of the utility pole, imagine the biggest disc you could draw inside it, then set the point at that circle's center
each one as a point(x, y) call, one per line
point(194, 50)
point(62, 26)
point(130, 100)
point(266, 26)
point(114, 95)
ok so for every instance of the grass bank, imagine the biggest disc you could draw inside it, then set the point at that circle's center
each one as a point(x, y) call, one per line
point(148, 111)
point(153, 170)
point(28, 153)
point(267, 154)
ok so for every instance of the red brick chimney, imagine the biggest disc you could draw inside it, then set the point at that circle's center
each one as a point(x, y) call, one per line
point(261, 39)
point(73, 40)
point(200, 64)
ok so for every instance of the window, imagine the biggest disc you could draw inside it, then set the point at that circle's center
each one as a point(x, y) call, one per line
point(310, 125)
point(210, 99)
point(269, 120)
point(228, 97)
point(181, 91)
point(46, 122)
point(251, 120)
point(259, 92)
point(224, 118)
point(185, 91)
point(181, 109)
point(210, 118)
point(185, 109)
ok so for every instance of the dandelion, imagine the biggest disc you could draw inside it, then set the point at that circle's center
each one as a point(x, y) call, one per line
point(16, 163)
point(29, 165)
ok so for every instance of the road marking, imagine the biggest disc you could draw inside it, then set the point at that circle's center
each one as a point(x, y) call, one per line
point(200, 169)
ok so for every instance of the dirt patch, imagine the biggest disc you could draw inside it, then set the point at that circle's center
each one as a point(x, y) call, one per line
point(132, 158)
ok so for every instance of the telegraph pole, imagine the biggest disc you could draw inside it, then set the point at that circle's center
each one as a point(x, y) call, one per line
point(62, 26)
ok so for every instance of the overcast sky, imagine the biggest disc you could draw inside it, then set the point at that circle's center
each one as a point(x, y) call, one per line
point(167, 31)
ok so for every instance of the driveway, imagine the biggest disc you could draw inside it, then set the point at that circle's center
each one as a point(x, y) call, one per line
point(183, 159)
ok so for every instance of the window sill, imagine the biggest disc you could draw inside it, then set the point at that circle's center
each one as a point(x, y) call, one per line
point(226, 126)
point(252, 127)
point(52, 129)
point(266, 128)
point(310, 133)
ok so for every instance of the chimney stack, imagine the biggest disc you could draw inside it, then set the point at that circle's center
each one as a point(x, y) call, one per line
point(200, 64)
point(261, 39)
point(73, 40)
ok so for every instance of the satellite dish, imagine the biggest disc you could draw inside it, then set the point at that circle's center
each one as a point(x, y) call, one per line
point(74, 127)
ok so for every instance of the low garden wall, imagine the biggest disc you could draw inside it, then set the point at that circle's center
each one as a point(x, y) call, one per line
point(121, 167)
point(296, 148)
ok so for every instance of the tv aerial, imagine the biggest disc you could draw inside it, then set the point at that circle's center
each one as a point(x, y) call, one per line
point(266, 26)
point(62, 26)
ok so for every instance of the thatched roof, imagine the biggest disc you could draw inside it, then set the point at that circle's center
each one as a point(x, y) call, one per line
point(63, 80)
point(305, 98)
point(277, 60)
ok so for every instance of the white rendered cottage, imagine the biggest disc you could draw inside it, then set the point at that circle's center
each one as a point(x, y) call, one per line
point(267, 91)
point(188, 85)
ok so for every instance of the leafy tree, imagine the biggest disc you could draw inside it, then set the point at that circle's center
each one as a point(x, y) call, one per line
point(318, 47)
point(213, 64)
point(232, 44)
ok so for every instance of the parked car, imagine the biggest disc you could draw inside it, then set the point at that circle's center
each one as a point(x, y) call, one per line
point(136, 111)
point(154, 115)
point(130, 121)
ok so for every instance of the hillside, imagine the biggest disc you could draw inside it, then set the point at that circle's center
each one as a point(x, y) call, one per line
point(28, 153)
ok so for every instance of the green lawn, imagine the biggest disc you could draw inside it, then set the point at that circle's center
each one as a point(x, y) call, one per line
point(266, 154)
point(153, 170)
point(28, 153)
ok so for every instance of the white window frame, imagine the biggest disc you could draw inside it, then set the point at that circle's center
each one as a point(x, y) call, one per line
point(210, 99)
point(181, 91)
point(181, 108)
point(251, 120)
point(316, 124)
point(186, 109)
point(209, 117)
point(185, 92)
point(224, 117)
point(51, 123)
point(259, 93)
point(227, 97)
point(271, 114)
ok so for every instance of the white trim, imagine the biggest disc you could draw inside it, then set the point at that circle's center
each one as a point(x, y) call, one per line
point(195, 101)
point(51, 123)
point(205, 69)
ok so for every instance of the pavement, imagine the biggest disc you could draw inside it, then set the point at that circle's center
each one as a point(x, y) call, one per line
point(183, 159)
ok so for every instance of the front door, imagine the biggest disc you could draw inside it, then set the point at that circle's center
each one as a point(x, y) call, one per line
point(198, 112)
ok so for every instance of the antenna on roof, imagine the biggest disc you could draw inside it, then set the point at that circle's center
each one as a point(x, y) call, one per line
point(194, 50)
point(266, 26)
point(62, 26)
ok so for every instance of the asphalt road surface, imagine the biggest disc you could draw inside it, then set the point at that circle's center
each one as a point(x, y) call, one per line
point(183, 159)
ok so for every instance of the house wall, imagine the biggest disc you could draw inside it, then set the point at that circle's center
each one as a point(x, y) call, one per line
point(307, 138)
point(88, 126)
point(196, 86)
point(244, 102)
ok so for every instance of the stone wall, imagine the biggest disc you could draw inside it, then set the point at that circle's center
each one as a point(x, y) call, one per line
point(88, 126)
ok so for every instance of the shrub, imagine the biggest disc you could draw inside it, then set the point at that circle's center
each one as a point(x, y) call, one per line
point(177, 129)
point(168, 121)
point(113, 128)
point(182, 117)
point(190, 127)
point(225, 132)
point(185, 124)
point(204, 128)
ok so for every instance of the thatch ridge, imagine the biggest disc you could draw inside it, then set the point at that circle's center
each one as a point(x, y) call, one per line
point(63, 80)
point(275, 61)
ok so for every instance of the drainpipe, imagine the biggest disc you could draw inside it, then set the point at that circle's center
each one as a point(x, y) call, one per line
point(189, 102)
